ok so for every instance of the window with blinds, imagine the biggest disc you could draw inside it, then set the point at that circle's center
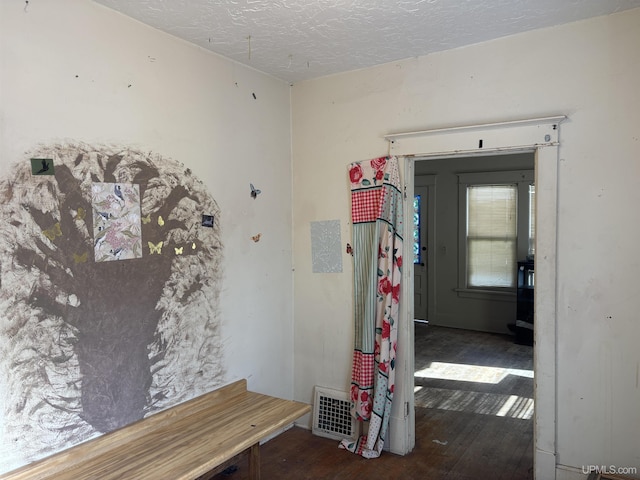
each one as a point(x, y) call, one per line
point(491, 235)
point(496, 229)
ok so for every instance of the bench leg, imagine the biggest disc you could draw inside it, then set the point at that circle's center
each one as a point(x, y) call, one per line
point(254, 462)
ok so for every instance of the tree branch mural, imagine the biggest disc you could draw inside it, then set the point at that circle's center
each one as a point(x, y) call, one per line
point(89, 345)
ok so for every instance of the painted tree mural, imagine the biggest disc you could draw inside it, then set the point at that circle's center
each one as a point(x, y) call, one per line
point(89, 343)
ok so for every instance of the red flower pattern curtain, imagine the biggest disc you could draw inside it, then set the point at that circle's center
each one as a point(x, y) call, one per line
point(376, 212)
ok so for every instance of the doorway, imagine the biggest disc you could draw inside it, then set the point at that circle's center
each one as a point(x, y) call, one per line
point(473, 387)
point(540, 135)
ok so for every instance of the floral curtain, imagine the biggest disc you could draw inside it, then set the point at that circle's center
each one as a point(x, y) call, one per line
point(376, 212)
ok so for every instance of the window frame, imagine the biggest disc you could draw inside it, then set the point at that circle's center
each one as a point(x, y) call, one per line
point(522, 179)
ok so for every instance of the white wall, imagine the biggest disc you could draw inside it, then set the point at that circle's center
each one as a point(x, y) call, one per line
point(65, 74)
point(72, 69)
point(588, 70)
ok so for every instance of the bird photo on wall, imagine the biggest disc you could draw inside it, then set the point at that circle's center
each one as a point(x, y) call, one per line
point(42, 166)
point(116, 253)
point(117, 190)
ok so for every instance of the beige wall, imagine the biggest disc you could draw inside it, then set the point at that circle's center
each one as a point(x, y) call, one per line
point(74, 70)
point(589, 71)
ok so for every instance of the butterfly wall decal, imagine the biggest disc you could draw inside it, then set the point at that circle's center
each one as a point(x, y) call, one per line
point(146, 219)
point(80, 214)
point(254, 191)
point(160, 220)
point(53, 232)
point(178, 250)
point(256, 238)
point(349, 249)
point(80, 258)
point(157, 248)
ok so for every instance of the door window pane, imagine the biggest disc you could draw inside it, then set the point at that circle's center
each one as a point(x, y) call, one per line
point(416, 229)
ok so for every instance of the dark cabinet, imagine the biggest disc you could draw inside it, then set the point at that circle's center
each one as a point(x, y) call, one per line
point(524, 310)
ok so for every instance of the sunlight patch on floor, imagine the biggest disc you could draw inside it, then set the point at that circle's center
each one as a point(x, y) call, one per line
point(470, 373)
point(512, 406)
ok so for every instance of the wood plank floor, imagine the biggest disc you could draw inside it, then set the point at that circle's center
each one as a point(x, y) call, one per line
point(474, 423)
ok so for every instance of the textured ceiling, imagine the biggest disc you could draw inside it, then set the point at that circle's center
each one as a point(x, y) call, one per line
point(300, 39)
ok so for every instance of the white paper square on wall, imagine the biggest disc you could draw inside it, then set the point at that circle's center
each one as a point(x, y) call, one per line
point(325, 247)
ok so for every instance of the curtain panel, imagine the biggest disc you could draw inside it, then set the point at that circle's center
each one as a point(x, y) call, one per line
point(376, 213)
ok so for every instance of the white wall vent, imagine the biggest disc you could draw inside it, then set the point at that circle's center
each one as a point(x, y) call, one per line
point(332, 415)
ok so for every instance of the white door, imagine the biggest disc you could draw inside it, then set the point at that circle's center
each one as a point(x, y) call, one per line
point(420, 252)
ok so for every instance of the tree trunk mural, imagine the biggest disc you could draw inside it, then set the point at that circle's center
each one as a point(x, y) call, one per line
point(91, 346)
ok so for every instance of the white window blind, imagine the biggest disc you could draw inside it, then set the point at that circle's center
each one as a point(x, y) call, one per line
point(491, 235)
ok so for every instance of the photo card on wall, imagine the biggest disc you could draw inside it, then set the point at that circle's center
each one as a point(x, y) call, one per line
point(117, 232)
point(42, 166)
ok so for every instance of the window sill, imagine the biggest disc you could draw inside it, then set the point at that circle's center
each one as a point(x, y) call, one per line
point(502, 295)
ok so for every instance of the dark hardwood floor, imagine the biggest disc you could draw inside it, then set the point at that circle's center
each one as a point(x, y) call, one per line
point(473, 420)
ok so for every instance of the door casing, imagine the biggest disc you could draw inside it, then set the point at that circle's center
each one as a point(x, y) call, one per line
point(541, 136)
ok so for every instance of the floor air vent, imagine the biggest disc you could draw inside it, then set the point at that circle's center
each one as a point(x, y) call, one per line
point(332, 415)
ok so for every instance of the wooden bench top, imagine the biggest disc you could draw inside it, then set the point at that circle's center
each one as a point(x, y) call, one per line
point(183, 442)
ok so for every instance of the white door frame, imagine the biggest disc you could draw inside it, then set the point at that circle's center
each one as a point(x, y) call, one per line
point(541, 136)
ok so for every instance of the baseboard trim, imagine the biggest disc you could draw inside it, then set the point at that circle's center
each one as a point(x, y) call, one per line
point(564, 472)
point(544, 464)
point(395, 441)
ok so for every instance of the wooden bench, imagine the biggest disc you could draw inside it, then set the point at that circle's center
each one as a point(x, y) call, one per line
point(191, 440)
